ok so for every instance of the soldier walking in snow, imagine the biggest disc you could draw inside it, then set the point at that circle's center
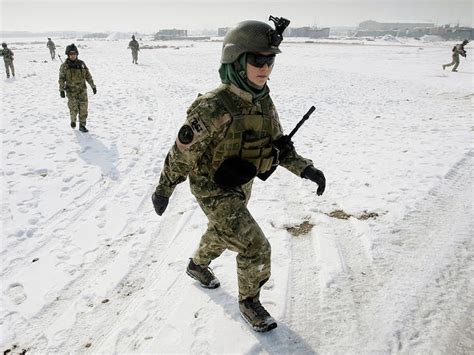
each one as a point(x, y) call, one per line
point(73, 75)
point(458, 49)
point(230, 137)
point(52, 48)
point(8, 59)
point(135, 47)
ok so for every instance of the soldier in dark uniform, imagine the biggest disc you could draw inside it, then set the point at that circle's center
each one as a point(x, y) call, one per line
point(7, 55)
point(135, 47)
point(73, 75)
point(458, 50)
point(52, 48)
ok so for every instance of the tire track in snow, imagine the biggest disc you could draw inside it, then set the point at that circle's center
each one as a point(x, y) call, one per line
point(162, 284)
point(424, 265)
point(303, 308)
point(410, 291)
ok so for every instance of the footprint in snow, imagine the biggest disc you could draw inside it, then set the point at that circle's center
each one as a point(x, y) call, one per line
point(16, 293)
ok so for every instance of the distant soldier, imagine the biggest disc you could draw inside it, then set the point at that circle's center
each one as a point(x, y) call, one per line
point(458, 49)
point(8, 59)
point(73, 75)
point(52, 48)
point(135, 47)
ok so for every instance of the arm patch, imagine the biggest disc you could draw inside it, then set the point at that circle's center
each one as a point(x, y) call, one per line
point(191, 133)
point(185, 135)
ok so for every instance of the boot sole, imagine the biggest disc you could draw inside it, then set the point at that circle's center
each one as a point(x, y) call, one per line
point(202, 285)
point(267, 328)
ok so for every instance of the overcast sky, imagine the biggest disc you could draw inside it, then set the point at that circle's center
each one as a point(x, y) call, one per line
point(151, 15)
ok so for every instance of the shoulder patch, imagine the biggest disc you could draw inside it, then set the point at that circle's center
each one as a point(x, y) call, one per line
point(192, 132)
point(185, 135)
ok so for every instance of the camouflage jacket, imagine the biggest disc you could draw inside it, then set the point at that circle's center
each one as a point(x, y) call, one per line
point(51, 45)
point(7, 54)
point(73, 76)
point(209, 120)
point(134, 45)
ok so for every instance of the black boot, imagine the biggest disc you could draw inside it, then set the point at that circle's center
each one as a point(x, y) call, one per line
point(203, 274)
point(256, 316)
point(73, 124)
point(83, 128)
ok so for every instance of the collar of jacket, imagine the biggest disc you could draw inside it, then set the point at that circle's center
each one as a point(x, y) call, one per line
point(244, 95)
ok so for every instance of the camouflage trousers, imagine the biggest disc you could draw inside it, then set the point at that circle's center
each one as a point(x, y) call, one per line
point(53, 53)
point(8, 66)
point(454, 62)
point(231, 226)
point(134, 56)
point(77, 103)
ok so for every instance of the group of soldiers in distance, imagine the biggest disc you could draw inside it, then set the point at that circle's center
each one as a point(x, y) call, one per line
point(73, 84)
point(73, 75)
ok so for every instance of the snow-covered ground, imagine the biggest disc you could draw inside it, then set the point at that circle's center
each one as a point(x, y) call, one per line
point(87, 266)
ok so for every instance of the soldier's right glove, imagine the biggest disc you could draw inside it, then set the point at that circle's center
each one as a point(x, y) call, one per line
point(62, 94)
point(159, 203)
point(316, 176)
point(94, 90)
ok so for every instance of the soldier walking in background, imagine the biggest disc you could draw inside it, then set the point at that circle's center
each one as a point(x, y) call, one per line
point(458, 49)
point(8, 59)
point(231, 135)
point(52, 48)
point(135, 47)
point(73, 75)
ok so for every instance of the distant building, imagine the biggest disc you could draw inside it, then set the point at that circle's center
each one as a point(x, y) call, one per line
point(311, 32)
point(166, 35)
point(392, 26)
point(222, 31)
point(415, 30)
point(453, 33)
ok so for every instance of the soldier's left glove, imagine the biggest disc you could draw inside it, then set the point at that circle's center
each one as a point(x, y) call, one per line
point(94, 90)
point(62, 94)
point(316, 176)
point(159, 203)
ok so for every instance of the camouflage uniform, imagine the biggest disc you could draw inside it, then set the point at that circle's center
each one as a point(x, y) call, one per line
point(52, 48)
point(211, 133)
point(72, 79)
point(135, 47)
point(8, 59)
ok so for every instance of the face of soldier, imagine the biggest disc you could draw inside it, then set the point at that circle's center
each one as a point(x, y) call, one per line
point(259, 75)
point(72, 56)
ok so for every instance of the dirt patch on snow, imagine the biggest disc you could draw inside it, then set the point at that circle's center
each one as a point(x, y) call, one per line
point(300, 229)
point(340, 214)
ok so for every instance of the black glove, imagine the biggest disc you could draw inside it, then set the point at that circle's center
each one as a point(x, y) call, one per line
point(284, 144)
point(316, 176)
point(94, 90)
point(62, 94)
point(160, 203)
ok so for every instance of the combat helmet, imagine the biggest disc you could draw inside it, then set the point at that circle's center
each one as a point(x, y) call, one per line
point(71, 48)
point(4, 45)
point(465, 42)
point(253, 36)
